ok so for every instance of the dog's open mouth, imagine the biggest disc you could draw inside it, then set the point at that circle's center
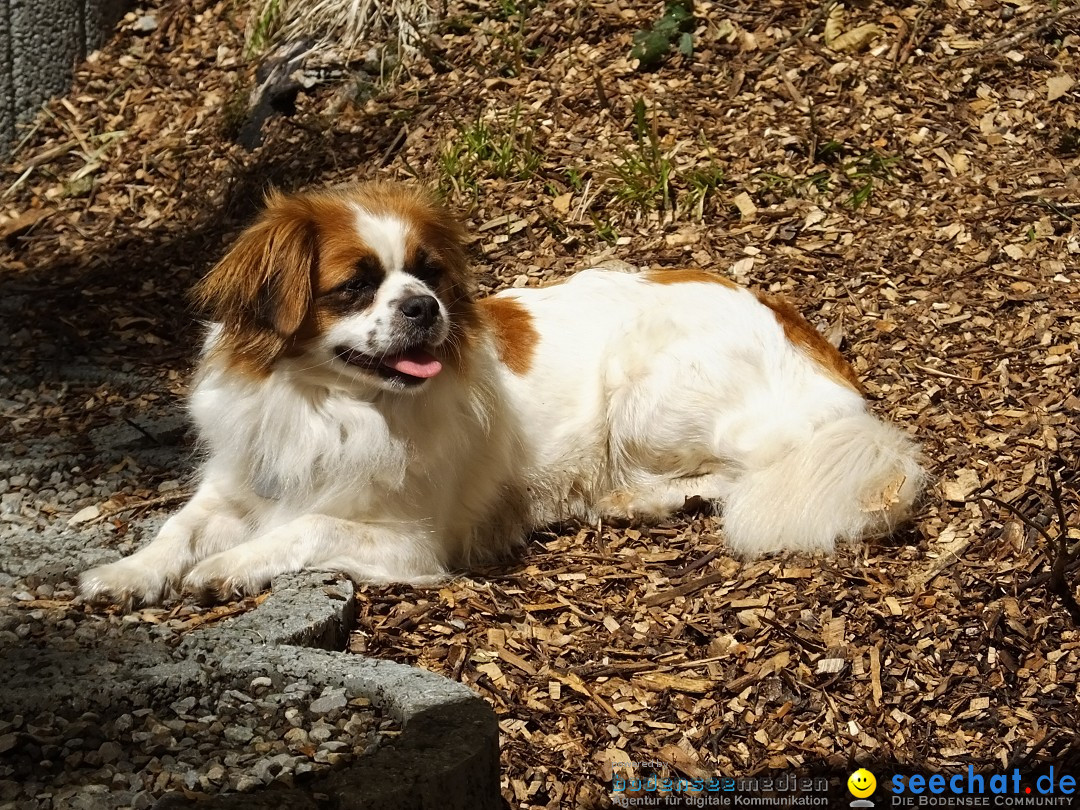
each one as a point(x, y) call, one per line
point(410, 367)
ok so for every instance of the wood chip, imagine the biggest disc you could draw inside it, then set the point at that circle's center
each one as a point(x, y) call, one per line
point(830, 666)
point(22, 223)
point(659, 681)
point(746, 206)
point(944, 243)
point(875, 675)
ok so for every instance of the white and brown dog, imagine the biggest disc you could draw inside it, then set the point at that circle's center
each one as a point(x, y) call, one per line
point(361, 411)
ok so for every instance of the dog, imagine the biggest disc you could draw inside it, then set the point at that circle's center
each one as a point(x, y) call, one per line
point(363, 411)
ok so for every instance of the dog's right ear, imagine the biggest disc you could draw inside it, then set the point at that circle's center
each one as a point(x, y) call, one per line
point(264, 282)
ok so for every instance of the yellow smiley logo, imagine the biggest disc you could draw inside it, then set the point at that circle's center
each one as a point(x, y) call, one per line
point(861, 783)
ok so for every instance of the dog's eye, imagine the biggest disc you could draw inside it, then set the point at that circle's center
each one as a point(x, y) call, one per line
point(427, 268)
point(358, 285)
point(364, 282)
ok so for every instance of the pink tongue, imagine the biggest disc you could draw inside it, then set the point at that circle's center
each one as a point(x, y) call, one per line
point(415, 363)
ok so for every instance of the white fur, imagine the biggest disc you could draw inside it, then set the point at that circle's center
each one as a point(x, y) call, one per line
point(387, 237)
point(638, 396)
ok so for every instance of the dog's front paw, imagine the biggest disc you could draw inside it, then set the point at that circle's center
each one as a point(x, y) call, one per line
point(225, 576)
point(125, 583)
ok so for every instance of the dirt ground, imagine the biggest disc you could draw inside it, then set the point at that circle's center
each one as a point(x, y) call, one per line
point(915, 194)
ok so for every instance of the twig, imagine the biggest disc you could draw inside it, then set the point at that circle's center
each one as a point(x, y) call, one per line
point(1033, 28)
point(31, 132)
point(1061, 209)
point(22, 177)
point(805, 644)
point(51, 153)
point(810, 25)
point(1031, 524)
point(1043, 578)
point(1061, 558)
point(144, 432)
point(1058, 584)
point(815, 134)
point(700, 562)
point(904, 51)
point(172, 497)
point(940, 373)
point(683, 590)
point(1020, 759)
point(394, 147)
point(601, 93)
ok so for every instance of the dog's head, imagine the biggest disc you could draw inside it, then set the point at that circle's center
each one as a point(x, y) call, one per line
point(369, 282)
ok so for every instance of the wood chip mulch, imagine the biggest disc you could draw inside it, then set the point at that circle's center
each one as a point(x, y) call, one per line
point(917, 196)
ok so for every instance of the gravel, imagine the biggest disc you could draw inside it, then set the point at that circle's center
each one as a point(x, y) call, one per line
point(84, 438)
point(226, 738)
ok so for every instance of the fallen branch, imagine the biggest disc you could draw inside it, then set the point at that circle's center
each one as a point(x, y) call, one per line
point(683, 590)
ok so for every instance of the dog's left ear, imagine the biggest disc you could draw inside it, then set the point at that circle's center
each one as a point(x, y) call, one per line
point(265, 279)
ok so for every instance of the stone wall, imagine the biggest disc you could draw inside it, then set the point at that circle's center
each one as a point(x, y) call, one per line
point(41, 41)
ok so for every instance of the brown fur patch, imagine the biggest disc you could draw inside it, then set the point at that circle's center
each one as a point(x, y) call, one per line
point(268, 289)
point(261, 290)
point(687, 276)
point(800, 332)
point(515, 335)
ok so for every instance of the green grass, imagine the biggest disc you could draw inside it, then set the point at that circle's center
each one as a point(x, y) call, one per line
point(866, 172)
point(511, 53)
point(643, 172)
point(500, 147)
point(701, 185)
point(507, 10)
point(645, 178)
point(605, 230)
point(861, 176)
point(263, 28)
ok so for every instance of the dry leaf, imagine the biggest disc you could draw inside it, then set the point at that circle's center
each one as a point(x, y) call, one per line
point(834, 24)
point(1057, 86)
point(84, 514)
point(857, 38)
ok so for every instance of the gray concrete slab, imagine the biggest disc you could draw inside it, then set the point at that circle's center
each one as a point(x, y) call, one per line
point(446, 755)
point(41, 42)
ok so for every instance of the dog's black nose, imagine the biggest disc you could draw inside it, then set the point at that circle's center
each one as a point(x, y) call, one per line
point(422, 310)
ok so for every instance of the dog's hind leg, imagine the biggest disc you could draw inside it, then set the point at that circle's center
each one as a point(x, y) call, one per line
point(660, 497)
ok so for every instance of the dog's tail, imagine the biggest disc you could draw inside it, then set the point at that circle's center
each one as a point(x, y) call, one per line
point(851, 478)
